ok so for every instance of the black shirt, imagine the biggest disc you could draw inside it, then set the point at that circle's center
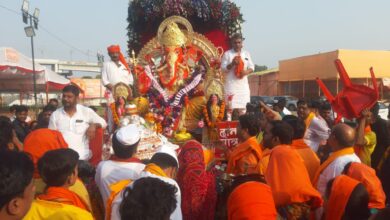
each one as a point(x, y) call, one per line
point(21, 129)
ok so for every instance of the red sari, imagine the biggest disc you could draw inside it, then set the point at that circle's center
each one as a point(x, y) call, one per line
point(198, 190)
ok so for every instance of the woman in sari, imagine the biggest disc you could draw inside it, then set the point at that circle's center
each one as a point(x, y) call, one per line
point(197, 185)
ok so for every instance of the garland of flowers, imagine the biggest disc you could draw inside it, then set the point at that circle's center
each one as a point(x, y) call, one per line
point(144, 17)
point(169, 109)
point(221, 114)
point(115, 116)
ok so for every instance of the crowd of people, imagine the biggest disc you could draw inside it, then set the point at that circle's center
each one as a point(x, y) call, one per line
point(285, 166)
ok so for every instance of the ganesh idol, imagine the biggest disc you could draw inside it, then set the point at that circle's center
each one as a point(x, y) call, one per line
point(172, 72)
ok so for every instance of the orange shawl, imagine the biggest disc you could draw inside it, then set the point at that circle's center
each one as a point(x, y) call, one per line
point(251, 200)
point(331, 158)
point(39, 141)
point(310, 159)
point(239, 68)
point(367, 176)
point(342, 188)
point(289, 180)
point(63, 195)
point(245, 156)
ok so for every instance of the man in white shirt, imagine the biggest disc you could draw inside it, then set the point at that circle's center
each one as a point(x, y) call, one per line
point(163, 165)
point(317, 130)
point(237, 63)
point(122, 165)
point(341, 141)
point(116, 70)
point(77, 123)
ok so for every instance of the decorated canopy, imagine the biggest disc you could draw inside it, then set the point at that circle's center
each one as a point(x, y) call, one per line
point(16, 74)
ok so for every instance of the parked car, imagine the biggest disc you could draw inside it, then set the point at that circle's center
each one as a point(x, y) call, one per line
point(268, 100)
point(291, 101)
point(383, 110)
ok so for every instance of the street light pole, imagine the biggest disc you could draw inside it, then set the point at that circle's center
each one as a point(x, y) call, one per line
point(31, 33)
point(33, 64)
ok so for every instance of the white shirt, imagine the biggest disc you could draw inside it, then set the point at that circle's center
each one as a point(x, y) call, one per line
point(333, 170)
point(317, 133)
point(74, 128)
point(176, 215)
point(109, 172)
point(113, 74)
point(286, 111)
point(239, 88)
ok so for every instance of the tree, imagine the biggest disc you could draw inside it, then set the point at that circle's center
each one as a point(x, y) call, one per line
point(259, 68)
point(86, 77)
point(98, 76)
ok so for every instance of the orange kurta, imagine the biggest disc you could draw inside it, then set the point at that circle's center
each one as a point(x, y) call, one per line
point(339, 196)
point(289, 180)
point(251, 200)
point(310, 159)
point(63, 195)
point(39, 141)
point(245, 158)
point(367, 176)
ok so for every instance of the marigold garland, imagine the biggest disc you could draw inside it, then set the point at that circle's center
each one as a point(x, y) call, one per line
point(115, 116)
point(221, 114)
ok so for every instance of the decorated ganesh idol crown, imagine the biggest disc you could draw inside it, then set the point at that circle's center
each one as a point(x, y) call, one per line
point(173, 36)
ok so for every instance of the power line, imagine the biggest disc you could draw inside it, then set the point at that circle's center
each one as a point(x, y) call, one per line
point(51, 34)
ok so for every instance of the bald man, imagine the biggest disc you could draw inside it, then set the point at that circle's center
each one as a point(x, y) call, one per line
point(341, 142)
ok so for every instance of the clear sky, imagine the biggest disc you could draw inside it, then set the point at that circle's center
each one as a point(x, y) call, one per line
point(274, 29)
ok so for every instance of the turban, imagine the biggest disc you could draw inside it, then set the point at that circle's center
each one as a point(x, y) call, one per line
point(114, 49)
point(117, 49)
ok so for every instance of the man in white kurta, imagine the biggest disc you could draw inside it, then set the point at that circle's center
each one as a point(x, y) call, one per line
point(122, 165)
point(177, 214)
point(237, 85)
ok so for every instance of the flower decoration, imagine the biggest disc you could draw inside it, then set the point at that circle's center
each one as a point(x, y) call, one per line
point(144, 17)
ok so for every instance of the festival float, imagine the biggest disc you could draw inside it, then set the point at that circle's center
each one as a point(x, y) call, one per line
point(175, 48)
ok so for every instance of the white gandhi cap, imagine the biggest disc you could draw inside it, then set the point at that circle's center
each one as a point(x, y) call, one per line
point(128, 135)
point(168, 149)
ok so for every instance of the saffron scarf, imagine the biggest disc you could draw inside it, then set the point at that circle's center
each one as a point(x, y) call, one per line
point(251, 200)
point(332, 157)
point(299, 144)
point(127, 160)
point(366, 175)
point(342, 189)
point(115, 188)
point(156, 170)
point(311, 160)
point(249, 153)
point(63, 195)
point(198, 187)
point(309, 119)
point(289, 180)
